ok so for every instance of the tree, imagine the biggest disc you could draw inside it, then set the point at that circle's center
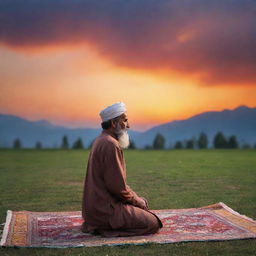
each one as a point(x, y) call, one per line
point(159, 141)
point(220, 141)
point(178, 145)
point(202, 141)
point(17, 144)
point(232, 142)
point(132, 145)
point(246, 146)
point(65, 144)
point(148, 147)
point(190, 144)
point(38, 145)
point(78, 144)
point(90, 145)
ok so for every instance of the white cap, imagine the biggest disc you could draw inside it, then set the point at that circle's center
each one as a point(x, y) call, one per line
point(112, 111)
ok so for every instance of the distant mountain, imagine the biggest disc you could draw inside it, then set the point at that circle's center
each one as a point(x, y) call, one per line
point(49, 135)
point(240, 122)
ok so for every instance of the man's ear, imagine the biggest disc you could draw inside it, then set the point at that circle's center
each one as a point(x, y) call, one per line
point(113, 124)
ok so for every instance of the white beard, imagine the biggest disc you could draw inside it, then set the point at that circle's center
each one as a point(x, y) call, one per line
point(123, 137)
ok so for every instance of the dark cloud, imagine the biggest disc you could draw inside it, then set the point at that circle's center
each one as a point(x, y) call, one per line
point(215, 39)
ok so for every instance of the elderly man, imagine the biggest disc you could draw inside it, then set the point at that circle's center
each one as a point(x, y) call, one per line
point(110, 207)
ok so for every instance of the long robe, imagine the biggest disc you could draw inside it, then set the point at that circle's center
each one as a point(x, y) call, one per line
point(110, 207)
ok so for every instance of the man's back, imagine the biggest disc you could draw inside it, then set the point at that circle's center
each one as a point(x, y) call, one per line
point(97, 199)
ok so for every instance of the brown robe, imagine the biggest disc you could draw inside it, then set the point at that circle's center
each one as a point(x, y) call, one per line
point(110, 207)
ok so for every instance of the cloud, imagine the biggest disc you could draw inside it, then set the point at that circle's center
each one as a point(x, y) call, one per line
point(212, 40)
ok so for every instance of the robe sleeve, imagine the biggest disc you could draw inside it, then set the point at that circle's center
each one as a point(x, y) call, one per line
point(115, 177)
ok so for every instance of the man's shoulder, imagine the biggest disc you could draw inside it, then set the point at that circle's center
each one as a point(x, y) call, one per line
point(106, 140)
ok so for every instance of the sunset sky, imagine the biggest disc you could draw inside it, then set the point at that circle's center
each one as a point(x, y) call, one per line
point(65, 60)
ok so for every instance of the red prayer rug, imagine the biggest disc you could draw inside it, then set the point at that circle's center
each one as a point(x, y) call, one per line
point(62, 229)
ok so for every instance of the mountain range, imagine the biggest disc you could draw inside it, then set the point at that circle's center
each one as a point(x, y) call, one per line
point(240, 122)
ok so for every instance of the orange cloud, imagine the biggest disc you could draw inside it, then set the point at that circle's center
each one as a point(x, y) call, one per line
point(71, 86)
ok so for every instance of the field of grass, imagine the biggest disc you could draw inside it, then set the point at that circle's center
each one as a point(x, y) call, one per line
point(52, 180)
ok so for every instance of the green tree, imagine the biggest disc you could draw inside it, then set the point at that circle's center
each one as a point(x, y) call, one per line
point(220, 141)
point(38, 145)
point(232, 142)
point(17, 144)
point(189, 144)
point(202, 141)
point(78, 144)
point(90, 145)
point(65, 144)
point(178, 145)
point(159, 141)
point(148, 147)
point(246, 146)
point(132, 145)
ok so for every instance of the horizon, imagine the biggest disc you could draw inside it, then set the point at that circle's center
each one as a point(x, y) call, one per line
point(136, 130)
point(166, 60)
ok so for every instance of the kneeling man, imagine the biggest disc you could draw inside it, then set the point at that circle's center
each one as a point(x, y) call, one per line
point(110, 207)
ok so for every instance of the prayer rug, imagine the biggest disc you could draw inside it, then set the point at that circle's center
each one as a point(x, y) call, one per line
point(62, 229)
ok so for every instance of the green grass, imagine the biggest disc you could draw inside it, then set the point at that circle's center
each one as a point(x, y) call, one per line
point(52, 180)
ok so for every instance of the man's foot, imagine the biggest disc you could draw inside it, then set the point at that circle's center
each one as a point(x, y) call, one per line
point(85, 229)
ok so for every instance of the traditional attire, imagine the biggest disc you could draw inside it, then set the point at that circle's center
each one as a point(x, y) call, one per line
point(110, 207)
point(112, 111)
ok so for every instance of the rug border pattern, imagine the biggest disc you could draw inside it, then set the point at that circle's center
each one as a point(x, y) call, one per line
point(6, 227)
point(219, 210)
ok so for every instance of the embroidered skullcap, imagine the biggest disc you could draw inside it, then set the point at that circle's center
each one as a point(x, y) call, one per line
point(112, 111)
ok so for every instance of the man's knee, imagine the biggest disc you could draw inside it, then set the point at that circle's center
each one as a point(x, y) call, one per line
point(153, 224)
point(156, 225)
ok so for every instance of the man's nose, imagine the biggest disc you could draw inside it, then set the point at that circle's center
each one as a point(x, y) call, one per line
point(128, 125)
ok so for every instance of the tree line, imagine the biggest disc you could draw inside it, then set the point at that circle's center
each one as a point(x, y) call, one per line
point(219, 142)
point(78, 144)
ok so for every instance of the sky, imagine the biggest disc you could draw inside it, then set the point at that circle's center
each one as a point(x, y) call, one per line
point(64, 61)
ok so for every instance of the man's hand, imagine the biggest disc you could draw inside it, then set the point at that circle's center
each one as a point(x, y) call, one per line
point(143, 204)
point(146, 201)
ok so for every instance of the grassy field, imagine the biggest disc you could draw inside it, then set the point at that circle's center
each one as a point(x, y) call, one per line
point(52, 180)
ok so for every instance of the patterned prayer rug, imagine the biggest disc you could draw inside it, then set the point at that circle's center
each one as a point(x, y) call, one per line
point(62, 229)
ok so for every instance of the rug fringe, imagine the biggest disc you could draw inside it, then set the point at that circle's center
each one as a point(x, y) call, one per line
point(6, 227)
point(235, 213)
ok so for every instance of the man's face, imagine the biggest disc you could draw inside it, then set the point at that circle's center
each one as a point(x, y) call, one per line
point(123, 122)
point(121, 131)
